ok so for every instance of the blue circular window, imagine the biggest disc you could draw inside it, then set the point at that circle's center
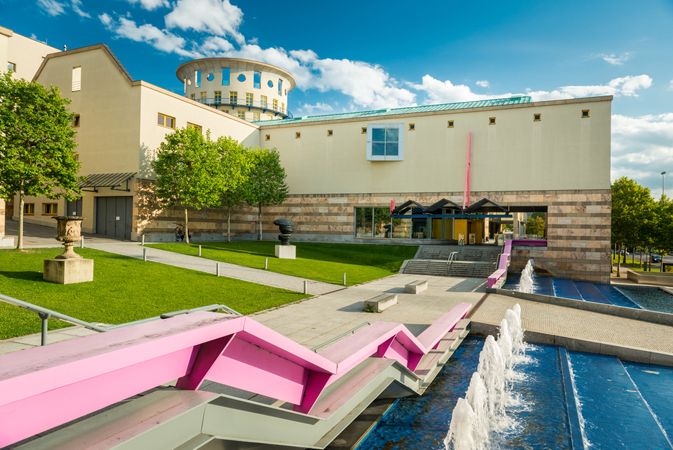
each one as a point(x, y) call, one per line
point(270, 83)
point(241, 77)
point(211, 77)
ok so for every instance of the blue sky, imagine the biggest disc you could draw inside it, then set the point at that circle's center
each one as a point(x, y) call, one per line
point(368, 55)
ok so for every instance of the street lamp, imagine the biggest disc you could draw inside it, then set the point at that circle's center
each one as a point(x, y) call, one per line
point(663, 178)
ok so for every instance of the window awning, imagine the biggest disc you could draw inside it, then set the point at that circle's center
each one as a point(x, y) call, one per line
point(111, 180)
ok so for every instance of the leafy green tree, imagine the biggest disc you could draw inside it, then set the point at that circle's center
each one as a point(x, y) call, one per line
point(37, 142)
point(662, 239)
point(193, 171)
point(266, 182)
point(536, 225)
point(234, 155)
point(631, 207)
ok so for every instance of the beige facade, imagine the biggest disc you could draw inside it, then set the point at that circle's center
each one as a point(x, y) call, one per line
point(21, 54)
point(256, 90)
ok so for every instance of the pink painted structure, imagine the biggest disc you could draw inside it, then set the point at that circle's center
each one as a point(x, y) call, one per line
point(44, 387)
point(503, 263)
point(466, 191)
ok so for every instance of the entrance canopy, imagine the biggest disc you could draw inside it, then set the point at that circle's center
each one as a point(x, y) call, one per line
point(111, 180)
point(446, 209)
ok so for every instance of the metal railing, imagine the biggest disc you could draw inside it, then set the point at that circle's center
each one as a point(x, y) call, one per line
point(351, 331)
point(45, 314)
point(255, 104)
point(452, 258)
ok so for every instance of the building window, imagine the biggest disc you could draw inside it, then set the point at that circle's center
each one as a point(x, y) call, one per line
point(280, 87)
point(330, 133)
point(537, 117)
point(193, 125)
point(376, 223)
point(385, 142)
point(218, 97)
point(76, 78)
point(211, 77)
point(263, 101)
point(49, 209)
point(75, 122)
point(29, 209)
point(11, 66)
point(203, 97)
point(166, 121)
point(282, 108)
point(270, 83)
point(241, 78)
point(491, 120)
point(412, 126)
point(269, 116)
point(297, 135)
point(450, 125)
point(227, 111)
point(241, 114)
point(76, 156)
point(233, 97)
point(197, 78)
point(268, 137)
point(225, 77)
point(248, 99)
point(257, 80)
point(364, 130)
point(193, 96)
point(585, 113)
point(275, 104)
point(255, 117)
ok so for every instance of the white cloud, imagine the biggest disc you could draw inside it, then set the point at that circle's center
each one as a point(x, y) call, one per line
point(614, 59)
point(446, 92)
point(670, 88)
point(150, 5)
point(318, 107)
point(483, 83)
point(216, 17)
point(52, 7)
point(76, 6)
point(105, 19)
point(626, 86)
point(162, 40)
point(642, 148)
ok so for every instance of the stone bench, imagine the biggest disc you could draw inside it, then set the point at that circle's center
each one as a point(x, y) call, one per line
point(416, 287)
point(380, 302)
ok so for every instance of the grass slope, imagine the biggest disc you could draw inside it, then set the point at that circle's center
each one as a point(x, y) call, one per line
point(124, 289)
point(320, 262)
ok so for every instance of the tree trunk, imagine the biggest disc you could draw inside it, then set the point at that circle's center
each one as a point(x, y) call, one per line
point(19, 239)
point(624, 262)
point(260, 221)
point(612, 259)
point(186, 225)
point(228, 224)
point(619, 261)
point(640, 263)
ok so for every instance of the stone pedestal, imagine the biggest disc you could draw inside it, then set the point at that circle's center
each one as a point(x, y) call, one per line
point(68, 271)
point(286, 251)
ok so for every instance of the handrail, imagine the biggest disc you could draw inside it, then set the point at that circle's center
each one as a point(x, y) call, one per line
point(351, 331)
point(46, 313)
point(452, 258)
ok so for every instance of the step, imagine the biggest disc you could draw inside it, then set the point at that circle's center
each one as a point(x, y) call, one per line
point(589, 292)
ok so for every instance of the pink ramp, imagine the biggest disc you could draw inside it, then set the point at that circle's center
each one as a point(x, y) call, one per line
point(44, 387)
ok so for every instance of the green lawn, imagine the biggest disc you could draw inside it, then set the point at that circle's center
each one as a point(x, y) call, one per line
point(632, 263)
point(124, 289)
point(320, 262)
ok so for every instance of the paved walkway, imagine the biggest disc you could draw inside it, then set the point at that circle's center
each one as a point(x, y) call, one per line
point(40, 236)
point(33, 340)
point(134, 250)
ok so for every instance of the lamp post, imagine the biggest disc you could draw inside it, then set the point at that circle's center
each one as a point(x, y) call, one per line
point(663, 178)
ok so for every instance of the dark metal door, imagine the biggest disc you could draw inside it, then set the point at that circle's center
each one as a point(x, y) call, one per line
point(114, 217)
point(74, 208)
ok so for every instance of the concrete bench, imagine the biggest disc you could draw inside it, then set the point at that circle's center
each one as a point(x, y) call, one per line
point(380, 302)
point(415, 287)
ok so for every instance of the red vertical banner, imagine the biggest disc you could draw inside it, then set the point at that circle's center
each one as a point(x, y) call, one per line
point(392, 206)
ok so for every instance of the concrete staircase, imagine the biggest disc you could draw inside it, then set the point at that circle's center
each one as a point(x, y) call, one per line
point(426, 267)
point(471, 269)
point(472, 261)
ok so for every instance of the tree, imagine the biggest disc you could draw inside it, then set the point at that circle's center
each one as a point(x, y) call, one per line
point(631, 206)
point(662, 238)
point(234, 155)
point(536, 225)
point(37, 142)
point(266, 182)
point(194, 171)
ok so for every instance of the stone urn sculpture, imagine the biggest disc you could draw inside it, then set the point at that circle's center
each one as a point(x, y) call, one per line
point(69, 231)
point(286, 229)
point(285, 250)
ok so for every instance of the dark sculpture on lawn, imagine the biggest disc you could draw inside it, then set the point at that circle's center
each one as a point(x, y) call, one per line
point(286, 229)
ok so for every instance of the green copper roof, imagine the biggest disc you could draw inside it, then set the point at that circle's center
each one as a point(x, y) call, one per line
point(407, 110)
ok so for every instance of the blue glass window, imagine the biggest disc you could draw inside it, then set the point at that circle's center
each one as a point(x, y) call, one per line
point(241, 77)
point(258, 80)
point(197, 78)
point(211, 77)
point(280, 87)
point(270, 83)
point(385, 141)
point(225, 77)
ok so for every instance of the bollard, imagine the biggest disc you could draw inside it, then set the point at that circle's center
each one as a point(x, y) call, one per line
point(143, 240)
point(81, 243)
point(199, 250)
point(344, 278)
point(217, 270)
point(266, 263)
point(305, 287)
point(144, 254)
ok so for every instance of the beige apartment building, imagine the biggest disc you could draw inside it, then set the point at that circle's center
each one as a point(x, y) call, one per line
point(345, 171)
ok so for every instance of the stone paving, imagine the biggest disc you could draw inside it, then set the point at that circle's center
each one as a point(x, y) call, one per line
point(40, 236)
point(135, 250)
point(33, 340)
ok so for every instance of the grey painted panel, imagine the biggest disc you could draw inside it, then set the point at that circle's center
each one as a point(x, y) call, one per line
point(128, 213)
point(120, 217)
point(101, 207)
point(110, 213)
point(74, 208)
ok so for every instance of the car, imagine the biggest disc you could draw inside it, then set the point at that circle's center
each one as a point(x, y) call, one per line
point(656, 258)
